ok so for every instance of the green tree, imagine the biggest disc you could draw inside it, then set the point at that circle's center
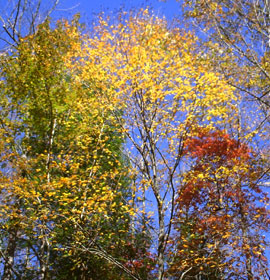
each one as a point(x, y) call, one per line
point(64, 188)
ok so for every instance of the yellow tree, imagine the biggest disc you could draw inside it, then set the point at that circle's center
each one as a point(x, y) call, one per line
point(153, 73)
point(242, 29)
point(62, 179)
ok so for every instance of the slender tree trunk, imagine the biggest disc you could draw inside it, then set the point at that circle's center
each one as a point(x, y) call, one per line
point(10, 253)
point(45, 257)
point(248, 260)
point(161, 242)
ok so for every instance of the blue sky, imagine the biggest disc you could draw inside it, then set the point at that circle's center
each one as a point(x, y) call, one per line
point(87, 8)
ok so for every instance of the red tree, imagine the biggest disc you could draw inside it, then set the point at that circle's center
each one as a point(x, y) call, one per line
point(221, 212)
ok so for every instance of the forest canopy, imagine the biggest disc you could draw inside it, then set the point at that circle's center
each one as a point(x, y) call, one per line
point(136, 149)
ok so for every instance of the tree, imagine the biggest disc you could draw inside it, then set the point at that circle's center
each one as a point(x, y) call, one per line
point(154, 75)
point(221, 214)
point(21, 18)
point(107, 138)
point(240, 28)
point(238, 43)
point(64, 187)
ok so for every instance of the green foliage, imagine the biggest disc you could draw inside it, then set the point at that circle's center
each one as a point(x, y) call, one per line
point(65, 174)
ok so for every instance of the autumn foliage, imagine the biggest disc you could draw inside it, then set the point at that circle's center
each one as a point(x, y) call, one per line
point(122, 158)
point(221, 215)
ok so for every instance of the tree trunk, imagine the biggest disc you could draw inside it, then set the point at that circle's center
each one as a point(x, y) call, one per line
point(161, 242)
point(10, 253)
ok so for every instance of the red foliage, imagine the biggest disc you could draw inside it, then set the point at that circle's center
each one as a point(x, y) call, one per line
point(217, 144)
point(219, 206)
